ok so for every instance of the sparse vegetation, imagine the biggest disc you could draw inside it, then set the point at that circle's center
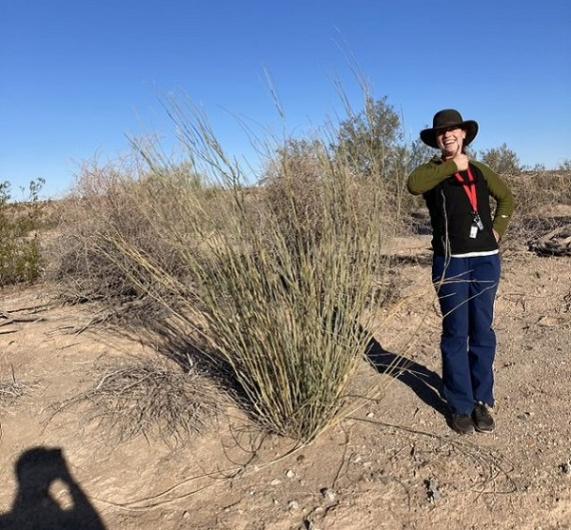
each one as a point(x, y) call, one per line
point(20, 257)
point(273, 283)
point(149, 398)
point(502, 160)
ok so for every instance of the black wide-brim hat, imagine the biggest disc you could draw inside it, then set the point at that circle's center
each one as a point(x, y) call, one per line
point(445, 119)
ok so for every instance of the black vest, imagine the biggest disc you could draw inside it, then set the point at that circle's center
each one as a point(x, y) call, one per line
point(451, 216)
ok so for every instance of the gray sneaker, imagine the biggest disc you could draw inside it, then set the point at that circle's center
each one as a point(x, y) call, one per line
point(483, 420)
point(462, 424)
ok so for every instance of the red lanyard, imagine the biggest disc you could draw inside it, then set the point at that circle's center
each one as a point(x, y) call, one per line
point(470, 189)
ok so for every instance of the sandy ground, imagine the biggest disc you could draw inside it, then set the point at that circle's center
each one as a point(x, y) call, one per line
point(392, 464)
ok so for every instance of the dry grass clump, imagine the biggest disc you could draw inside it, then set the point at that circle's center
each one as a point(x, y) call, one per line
point(148, 398)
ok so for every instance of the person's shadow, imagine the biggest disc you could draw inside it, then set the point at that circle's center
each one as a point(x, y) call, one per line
point(425, 383)
point(35, 508)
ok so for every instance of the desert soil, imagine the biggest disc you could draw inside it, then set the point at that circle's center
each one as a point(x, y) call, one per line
point(392, 464)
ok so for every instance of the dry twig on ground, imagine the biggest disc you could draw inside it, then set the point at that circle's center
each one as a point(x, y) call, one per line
point(555, 243)
point(148, 398)
point(11, 391)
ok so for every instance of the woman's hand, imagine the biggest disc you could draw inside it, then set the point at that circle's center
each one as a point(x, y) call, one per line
point(461, 161)
point(496, 235)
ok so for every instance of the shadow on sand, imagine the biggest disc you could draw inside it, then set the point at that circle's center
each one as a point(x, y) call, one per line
point(35, 507)
point(425, 383)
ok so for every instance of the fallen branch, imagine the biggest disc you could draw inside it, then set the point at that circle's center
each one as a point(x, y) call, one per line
point(554, 243)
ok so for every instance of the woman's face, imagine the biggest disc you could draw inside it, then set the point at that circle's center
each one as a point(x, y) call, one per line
point(450, 141)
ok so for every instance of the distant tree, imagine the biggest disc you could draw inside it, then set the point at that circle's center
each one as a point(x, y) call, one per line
point(370, 138)
point(501, 159)
point(565, 165)
point(536, 167)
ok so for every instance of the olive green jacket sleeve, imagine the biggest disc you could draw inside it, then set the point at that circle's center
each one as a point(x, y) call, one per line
point(429, 175)
point(500, 191)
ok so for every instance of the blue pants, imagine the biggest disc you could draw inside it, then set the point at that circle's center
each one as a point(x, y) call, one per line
point(466, 290)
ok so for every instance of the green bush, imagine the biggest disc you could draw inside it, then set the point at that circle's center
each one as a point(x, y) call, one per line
point(20, 257)
point(502, 160)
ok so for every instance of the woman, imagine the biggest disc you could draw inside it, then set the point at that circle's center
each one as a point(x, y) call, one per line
point(466, 264)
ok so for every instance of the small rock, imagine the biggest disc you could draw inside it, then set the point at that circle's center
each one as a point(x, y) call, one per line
point(293, 506)
point(566, 468)
point(186, 515)
point(357, 459)
point(275, 482)
point(547, 322)
point(432, 490)
point(290, 473)
point(327, 494)
point(370, 414)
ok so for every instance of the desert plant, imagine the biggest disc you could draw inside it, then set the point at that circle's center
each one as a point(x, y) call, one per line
point(279, 294)
point(120, 200)
point(502, 160)
point(372, 142)
point(370, 137)
point(20, 257)
point(146, 397)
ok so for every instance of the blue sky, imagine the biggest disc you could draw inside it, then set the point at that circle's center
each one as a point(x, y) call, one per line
point(76, 77)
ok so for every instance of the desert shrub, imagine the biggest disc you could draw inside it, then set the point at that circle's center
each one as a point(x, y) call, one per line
point(502, 160)
point(273, 285)
point(536, 194)
point(372, 142)
point(20, 256)
point(535, 191)
point(121, 201)
point(370, 137)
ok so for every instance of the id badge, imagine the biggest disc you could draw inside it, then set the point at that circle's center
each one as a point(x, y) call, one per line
point(473, 231)
point(478, 222)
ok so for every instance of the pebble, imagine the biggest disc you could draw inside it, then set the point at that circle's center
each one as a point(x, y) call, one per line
point(275, 482)
point(432, 490)
point(327, 494)
point(290, 473)
point(293, 505)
